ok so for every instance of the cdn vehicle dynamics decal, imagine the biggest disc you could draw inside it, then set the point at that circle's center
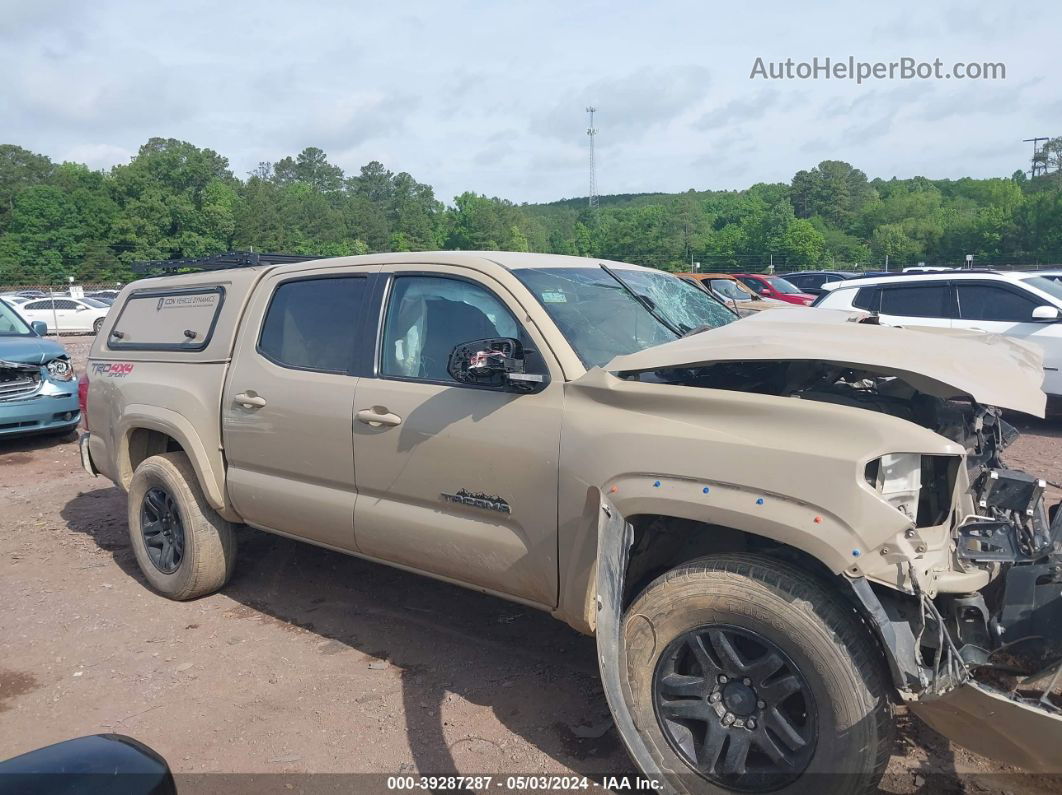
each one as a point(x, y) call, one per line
point(112, 369)
point(465, 497)
point(185, 301)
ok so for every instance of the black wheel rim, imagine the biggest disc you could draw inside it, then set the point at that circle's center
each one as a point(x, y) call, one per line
point(735, 707)
point(162, 529)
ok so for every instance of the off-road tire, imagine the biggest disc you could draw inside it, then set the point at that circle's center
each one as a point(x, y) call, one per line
point(97, 326)
point(209, 541)
point(820, 633)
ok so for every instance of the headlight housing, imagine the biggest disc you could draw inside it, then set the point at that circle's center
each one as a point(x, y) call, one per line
point(918, 486)
point(60, 369)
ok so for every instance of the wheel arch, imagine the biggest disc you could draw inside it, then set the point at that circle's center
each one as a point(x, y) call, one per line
point(150, 430)
point(660, 542)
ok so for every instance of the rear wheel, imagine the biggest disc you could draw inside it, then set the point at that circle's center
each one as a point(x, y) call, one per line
point(184, 548)
point(749, 675)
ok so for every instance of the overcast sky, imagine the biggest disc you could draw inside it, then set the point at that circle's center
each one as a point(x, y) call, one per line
point(490, 96)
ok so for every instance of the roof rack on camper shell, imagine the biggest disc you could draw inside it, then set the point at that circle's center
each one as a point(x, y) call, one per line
point(217, 262)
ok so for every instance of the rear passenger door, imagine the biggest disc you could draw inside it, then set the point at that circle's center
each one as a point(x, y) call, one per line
point(921, 304)
point(287, 405)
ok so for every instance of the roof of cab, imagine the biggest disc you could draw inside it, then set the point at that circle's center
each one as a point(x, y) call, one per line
point(482, 260)
point(509, 260)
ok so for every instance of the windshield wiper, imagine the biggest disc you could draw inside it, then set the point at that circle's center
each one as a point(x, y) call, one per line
point(650, 307)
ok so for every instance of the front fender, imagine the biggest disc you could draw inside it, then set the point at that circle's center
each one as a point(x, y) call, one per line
point(810, 528)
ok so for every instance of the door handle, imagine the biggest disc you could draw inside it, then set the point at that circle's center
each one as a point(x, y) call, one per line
point(377, 416)
point(249, 400)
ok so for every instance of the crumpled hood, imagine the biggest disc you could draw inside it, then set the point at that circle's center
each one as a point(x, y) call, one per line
point(29, 350)
point(992, 369)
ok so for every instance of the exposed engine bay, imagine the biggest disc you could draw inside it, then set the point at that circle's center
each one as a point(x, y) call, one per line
point(18, 380)
point(1008, 635)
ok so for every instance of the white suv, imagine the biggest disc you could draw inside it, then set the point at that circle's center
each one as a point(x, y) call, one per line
point(1023, 305)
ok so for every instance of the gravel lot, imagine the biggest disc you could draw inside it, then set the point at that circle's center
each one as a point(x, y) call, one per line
point(312, 661)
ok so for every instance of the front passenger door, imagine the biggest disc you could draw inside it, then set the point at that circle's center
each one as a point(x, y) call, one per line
point(1002, 309)
point(456, 480)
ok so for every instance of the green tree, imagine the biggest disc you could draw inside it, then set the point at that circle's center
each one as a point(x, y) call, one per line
point(19, 169)
point(310, 167)
point(833, 189)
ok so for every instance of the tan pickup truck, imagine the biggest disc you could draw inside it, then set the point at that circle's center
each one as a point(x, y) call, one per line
point(777, 527)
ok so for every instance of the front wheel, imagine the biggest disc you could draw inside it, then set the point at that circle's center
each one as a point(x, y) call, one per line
point(96, 326)
point(184, 548)
point(749, 675)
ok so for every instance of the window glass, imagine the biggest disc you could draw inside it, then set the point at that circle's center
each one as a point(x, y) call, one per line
point(11, 324)
point(783, 286)
point(987, 302)
point(865, 298)
point(38, 305)
point(604, 314)
point(810, 280)
point(755, 284)
point(94, 303)
point(159, 320)
point(65, 304)
point(730, 290)
point(428, 316)
point(1049, 284)
point(311, 323)
point(915, 301)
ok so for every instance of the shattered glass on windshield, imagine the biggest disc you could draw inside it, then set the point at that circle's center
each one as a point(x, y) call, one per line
point(605, 313)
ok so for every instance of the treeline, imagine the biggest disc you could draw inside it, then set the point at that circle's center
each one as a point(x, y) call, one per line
point(175, 200)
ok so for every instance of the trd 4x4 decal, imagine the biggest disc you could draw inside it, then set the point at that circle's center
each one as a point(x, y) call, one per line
point(112, 369)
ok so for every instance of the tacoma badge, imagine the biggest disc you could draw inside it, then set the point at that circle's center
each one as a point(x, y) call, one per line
point(465, 497)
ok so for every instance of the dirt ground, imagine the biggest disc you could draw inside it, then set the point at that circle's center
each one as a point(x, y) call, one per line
point(310, 661)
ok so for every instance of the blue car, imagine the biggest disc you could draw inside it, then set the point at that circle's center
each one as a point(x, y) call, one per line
point(38, 387)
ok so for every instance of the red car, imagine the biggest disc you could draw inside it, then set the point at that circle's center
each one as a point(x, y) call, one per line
point(776, 287)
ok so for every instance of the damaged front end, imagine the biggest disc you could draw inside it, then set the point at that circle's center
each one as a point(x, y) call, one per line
point(967, 601)
point(983, 667)
point(995, 656)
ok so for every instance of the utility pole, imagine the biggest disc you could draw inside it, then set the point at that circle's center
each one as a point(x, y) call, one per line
point(591, 131)
point(1038, 166)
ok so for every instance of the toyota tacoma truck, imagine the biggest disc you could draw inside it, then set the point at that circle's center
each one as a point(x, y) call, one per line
point(778, 528)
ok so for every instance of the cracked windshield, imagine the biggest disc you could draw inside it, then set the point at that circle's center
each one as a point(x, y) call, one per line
point(605, 313)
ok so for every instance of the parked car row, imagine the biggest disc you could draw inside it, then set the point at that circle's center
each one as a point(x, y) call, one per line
point(729, 290)
point(63, 313)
